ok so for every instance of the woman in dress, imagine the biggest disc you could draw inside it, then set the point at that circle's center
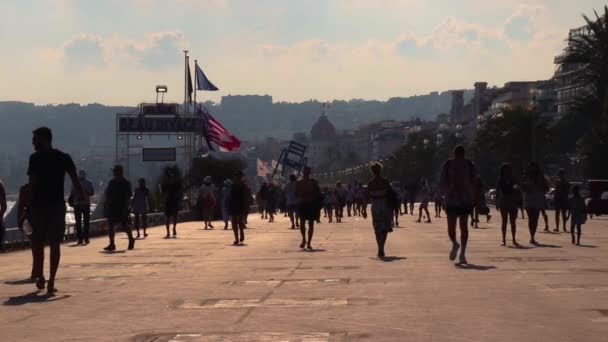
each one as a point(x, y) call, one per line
point(382, 211)
point(506, 202)
point(534, 187)
point(140, 206)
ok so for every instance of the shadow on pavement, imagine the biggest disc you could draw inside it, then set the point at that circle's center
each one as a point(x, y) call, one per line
point(474, 267)
point(33, 297)
point(314, 250)
point(520, 247)
point(544, 245)
point(113, 252)
point(587, 246)
point(20, 282)
point(393, 258)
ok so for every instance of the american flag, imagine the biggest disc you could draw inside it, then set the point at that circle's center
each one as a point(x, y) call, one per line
point(215, 132)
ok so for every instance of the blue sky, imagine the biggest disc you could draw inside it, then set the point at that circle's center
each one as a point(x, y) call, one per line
point(115, 51)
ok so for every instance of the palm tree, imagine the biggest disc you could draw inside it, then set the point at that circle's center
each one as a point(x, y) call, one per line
point(590, 52)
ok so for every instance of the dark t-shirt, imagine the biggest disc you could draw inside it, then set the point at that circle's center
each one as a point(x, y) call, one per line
point(118, 195)
point(238, 201)
point(49, 167)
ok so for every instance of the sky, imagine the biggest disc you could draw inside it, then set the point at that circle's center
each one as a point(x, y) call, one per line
point(116, 51)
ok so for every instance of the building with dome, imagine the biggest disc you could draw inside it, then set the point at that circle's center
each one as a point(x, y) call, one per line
point(323, 138)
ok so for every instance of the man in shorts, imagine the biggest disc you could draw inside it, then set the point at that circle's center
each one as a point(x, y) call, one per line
point(118, 196)
point(308, 194)
point(456, 183)
point(46, 170)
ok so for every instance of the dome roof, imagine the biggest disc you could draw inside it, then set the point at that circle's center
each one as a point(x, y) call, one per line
point(323, 129)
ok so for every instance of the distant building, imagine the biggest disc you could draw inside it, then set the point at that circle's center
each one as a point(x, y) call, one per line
point(323, 137)
point(566, 87)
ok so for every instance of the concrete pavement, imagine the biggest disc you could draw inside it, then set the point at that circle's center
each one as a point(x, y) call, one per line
point(199, 287)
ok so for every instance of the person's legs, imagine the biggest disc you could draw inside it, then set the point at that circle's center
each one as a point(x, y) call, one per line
point(175, 225)
point(78, 218)
point(329, 211)
point(311, 231)
point(419, 214)
point(513, 221)
point(572, 229)
point(144, 219)
point(533, 215)
point(167, 224)
point(545, 218)
point(111, 234)
point(86, 218)
point(55, 256)
point(504, 215)
point(127, 229)
point(428, 216)
point(464, 238)
point(452, 220)
point(235, 229)
point(564, 219)
point(38, 261)
point(579, 232)
point(291, 217)
point(303, 232)
point(137, 220)
point(557, 213)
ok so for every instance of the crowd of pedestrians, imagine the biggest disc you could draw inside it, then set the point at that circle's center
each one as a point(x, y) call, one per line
point(459, 193)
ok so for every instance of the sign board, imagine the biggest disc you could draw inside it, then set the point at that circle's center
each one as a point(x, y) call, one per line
point(159, 124)
point(159, 109)
point(158, 154)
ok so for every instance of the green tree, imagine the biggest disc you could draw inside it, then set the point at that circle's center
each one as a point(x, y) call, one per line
point(590, 53)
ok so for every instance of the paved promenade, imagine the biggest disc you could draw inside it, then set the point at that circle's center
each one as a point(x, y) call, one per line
point(199, 287)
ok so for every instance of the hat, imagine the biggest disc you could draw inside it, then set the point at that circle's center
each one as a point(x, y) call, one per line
point(208, 179)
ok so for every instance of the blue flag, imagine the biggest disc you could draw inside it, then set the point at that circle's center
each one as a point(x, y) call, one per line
point(202, 82)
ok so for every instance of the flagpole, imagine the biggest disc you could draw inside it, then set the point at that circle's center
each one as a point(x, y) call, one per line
point(195, 85)
point(185, 82)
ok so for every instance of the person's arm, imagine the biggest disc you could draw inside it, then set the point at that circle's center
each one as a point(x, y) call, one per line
point(2, 202)
point(70, 168)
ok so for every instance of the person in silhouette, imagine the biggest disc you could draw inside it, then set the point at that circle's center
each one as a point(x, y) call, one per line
point(534, 187)
point(262, 198)
point(561, 201)
point(379, 189)
point(330, 203)
point(238, 206)
point(208, 201)
point(310, 202)
point(425, 194)
point(46, 170)
point(140, 205)
point(456, 183)
point(172, 192)
point(224, 200)
point(3, 207)
point(480, 205)
point(271, 202)
point(82, 208)
point(397, 207)
point(350, 199)
point(291, 201)
point(24, 203)
point(506, 202)
point(117, 197)
point(438, 199)
point(578, 212)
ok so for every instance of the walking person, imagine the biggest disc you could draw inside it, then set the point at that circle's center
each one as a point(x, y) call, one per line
point(309, 198)
point(225, 199)
point(456, 183)
point(207, 201)
point(578, 214)
point(330, 203)
point(413, 194)
point(350, 199)
point(561, 201)
point(405, 198)
point(238, 206)
point(438, 197)
point(480, 207)
point(141, 205)
point(171, 189)
point(506, 202)
point(46, 170)
point(23, 211)
point(380, 189)
point(425, 194)
point(519, 201)
point(82, 208)
point(3, 207)
point(117, 197)
point(340, 193)
point(396, 208)
point(291, 201)
point(271, 202)
point(263, 200)
point(534, 187)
